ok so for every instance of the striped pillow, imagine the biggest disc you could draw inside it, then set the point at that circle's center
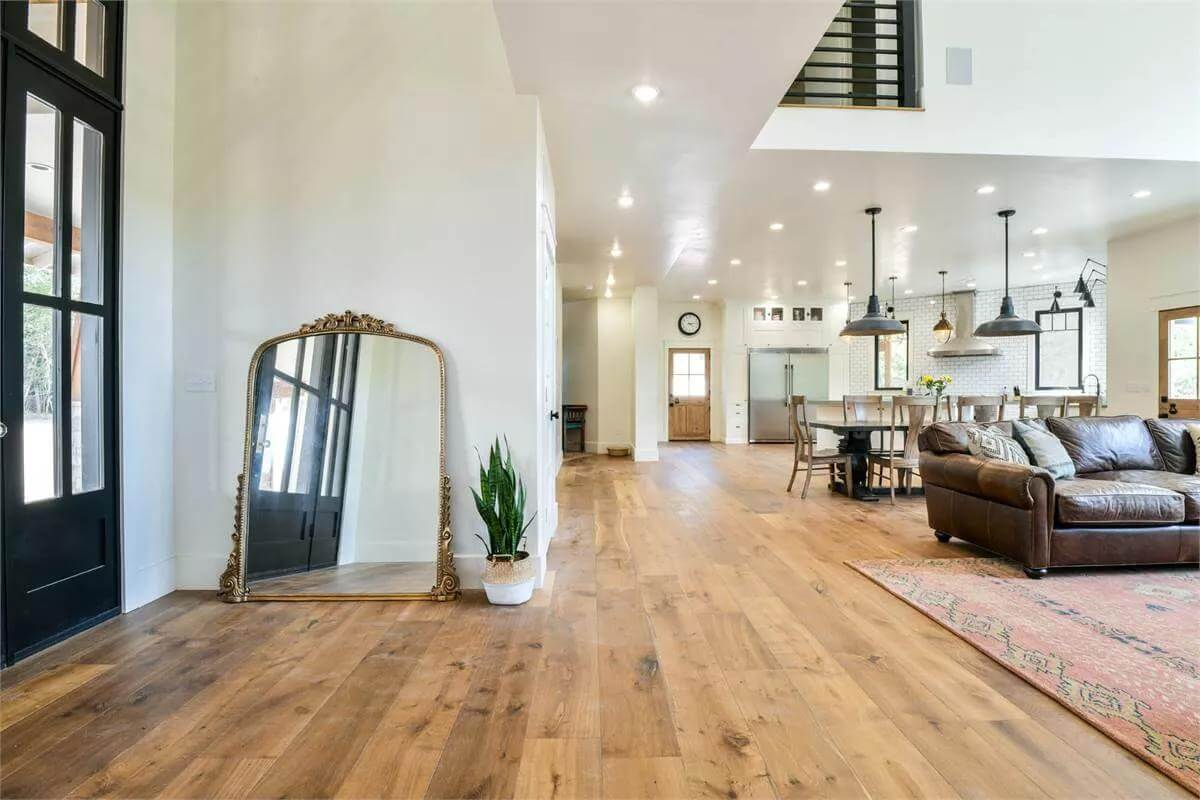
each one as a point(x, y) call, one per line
point(990, 444)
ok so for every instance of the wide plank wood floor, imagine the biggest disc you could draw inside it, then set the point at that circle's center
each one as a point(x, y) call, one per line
point(699, 636)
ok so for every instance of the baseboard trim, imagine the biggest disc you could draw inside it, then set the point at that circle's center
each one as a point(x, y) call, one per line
point(646, 454)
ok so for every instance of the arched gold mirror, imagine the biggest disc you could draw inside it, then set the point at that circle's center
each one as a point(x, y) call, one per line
point(343, 492)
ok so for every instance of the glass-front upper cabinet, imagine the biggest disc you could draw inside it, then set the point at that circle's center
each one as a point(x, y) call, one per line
point(78, 37)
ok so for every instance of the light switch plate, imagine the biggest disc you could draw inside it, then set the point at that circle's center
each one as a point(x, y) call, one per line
point(200, 382)
point(959, 66)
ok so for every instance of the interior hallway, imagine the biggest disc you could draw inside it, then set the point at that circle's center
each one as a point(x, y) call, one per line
point(700, 636)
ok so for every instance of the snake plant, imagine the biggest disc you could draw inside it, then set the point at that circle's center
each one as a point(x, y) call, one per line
point(501, 503)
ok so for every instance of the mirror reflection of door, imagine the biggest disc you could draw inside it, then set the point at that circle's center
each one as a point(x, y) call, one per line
point(304, 401)
point(689, 394)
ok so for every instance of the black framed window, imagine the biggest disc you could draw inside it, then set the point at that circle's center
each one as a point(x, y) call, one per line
point(78, 39)
point(1058, 349)
point(891, 360)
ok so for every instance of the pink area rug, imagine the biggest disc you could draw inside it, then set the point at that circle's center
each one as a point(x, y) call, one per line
point(1120, 648)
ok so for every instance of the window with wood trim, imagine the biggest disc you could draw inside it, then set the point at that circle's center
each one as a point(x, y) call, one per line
point(891, 360)
point(1179, 362)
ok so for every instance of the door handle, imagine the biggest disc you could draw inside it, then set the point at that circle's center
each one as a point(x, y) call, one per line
point(3, 430)
point(1172, 409)
point(553, 415)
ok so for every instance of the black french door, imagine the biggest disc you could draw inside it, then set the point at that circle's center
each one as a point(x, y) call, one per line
point(58, 388)
point(305, 398)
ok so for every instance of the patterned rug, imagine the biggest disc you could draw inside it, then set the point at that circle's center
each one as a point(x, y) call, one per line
point(1120, 648)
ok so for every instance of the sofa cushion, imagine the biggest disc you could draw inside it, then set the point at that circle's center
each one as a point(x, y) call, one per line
point(1101, 444)
point(1175, 446)
point(1087, 502)
point(1044, 448)
point(951, 437)
point(1186, 485)
point(990, 443)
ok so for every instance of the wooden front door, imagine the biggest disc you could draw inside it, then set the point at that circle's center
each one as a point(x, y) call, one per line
point(689, 392)
point(1179, 362)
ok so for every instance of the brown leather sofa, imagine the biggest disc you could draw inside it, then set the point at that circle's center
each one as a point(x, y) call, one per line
point(1135, 498)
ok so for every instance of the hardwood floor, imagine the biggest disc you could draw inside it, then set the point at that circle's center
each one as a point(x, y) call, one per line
point(700, 636)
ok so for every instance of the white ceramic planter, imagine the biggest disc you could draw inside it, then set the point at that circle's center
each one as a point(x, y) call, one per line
point(508, 582)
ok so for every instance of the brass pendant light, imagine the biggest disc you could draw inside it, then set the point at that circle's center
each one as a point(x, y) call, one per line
point(942, 329)
point(1008, 323)
point(874, 322)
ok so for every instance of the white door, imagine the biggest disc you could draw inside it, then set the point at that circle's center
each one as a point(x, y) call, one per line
point(552, 435)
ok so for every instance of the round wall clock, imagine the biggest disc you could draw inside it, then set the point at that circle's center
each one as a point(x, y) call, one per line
point(689, 323)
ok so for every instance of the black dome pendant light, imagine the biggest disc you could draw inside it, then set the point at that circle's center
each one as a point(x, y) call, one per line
point(874, 322)
point(942, 328)
point(1008, 323)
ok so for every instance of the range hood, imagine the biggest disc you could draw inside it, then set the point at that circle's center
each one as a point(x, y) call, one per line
point(963, 342)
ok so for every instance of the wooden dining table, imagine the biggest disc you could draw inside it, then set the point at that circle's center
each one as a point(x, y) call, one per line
point(856, 442)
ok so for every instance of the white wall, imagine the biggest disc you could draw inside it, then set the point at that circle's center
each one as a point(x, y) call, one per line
point(146, 363)
point(1095, 79)
point(614, 364)
point(362, 156)
point(1147, 272)
point(1014, 366)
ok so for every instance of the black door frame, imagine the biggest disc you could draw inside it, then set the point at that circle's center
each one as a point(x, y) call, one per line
point(32, 66)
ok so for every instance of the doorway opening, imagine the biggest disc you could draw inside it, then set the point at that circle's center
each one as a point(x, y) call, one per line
point(689, 394)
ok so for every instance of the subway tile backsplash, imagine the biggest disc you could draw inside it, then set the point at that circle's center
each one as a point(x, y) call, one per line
point(982, 374)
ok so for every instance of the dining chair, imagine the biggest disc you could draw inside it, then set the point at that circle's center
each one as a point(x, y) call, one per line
point(1086, 403)
point(863, 408)
point(1044, 405)
point(806, 451)
point(907, 459)
point(984, 407)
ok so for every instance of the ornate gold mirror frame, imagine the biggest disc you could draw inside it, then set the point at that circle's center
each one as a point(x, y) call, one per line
point(233, 586)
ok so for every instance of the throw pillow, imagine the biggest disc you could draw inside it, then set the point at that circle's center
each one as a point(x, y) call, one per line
point(989, 444)
point(1044, 448)
point(1193, 428)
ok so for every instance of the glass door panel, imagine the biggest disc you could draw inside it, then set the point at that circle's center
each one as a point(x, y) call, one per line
point(46, 20)
point(41, 219)
point(41, 420)
point(87, 162)
point(89, 35)
point(87, 403)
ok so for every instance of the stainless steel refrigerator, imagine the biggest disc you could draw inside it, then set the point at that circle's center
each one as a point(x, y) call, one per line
point(775, 375)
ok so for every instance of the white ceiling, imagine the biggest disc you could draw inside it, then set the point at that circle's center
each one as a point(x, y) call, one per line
point(702, 196)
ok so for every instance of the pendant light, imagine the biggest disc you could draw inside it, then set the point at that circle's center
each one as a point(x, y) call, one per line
point(1055, 307)
point(942, 329)
point(1008, 323)
point(874, 322)
point(891, 310)
point(845, 337)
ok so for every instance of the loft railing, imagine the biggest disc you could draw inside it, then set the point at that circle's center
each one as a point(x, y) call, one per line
point(868, 57)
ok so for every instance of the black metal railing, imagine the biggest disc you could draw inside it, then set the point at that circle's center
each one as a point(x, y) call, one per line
point(868, 57)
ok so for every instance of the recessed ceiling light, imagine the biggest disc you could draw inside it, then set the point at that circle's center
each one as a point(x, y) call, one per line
point(908, 291)
point(908, 229)
point(645, 93)
point(1039, 231)
point(933, 302)
point(822, 186)
point(625, 200)
point(841, 262)
point(970, 284)
point(1140, 193)
point(851, 298)
point(712, 281)
point(616, 251)
point(608, 292)
point(610, 280)
point(695, 297)
point(1029, 254)
point(588, 288)
point(774, 297)
point(987, 188)
point(39, 166)
point(735, 262)
point(1037, 266)
point(802, 283)
point(776, 226)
